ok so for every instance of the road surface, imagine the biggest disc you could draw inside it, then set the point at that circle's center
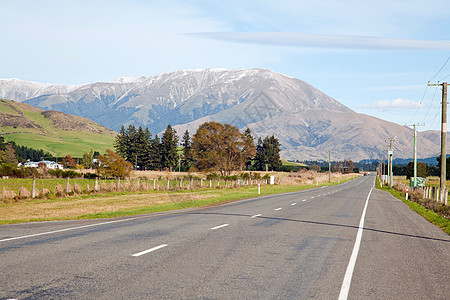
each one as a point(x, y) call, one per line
point(349, 241)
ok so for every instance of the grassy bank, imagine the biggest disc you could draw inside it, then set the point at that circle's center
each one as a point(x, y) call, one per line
point(126, 204)
point(429, 215)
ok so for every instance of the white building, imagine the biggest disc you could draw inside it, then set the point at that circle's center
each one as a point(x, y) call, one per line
point(48, 164)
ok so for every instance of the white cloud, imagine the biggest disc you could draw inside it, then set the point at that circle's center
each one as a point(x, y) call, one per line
point(396, 104)
point(295, 39)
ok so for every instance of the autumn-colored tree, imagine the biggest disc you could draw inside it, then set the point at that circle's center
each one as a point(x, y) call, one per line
point(112, 165)
point(69, 162)
point(221, 147)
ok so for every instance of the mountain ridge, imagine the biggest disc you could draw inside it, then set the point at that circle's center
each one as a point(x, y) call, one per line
point(308, 122)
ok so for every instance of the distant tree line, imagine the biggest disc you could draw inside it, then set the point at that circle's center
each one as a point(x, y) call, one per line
point(214, 147)
point(12, 153)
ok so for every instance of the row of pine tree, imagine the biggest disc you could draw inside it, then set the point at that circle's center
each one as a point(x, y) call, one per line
point(145, 152)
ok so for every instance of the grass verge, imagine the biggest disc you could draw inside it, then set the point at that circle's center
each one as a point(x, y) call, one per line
point(429, 215)
point(127, 204)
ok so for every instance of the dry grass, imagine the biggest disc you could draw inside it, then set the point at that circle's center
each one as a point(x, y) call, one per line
point(74, 207)
point(70, 207)
point(310, 177)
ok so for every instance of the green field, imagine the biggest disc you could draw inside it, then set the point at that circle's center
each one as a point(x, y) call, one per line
point(33, 129)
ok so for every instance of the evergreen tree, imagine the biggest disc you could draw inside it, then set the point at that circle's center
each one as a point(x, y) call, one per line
point(130, 142)
point(142, 143)
point(147, 150)
point(169, 153)
point(250, 143)
point(155, 154)
point(187, 150)
point(268, 154)
point(120, 143)
point(261, 156)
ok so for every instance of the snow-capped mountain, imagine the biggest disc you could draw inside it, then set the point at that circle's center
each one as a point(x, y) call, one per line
point(20, 90)
point(307, 122)
point(176, 98)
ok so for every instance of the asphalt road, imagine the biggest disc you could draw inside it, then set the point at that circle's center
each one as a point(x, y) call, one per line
point(348, 241)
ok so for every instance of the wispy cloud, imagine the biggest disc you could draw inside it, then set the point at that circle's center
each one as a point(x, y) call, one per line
point(396, 104)
point(295, 39)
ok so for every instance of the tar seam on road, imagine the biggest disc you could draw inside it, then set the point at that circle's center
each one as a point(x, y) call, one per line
point(149, 250)
point(220, 226)
point(345, 288)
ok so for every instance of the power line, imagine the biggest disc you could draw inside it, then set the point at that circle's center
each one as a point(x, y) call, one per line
point(448, 58)
point(445, 77)
point(431, 104)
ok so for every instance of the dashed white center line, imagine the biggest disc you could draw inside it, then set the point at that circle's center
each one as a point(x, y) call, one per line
point(149, 250)
point(255, 216)
point(220, 226)
point(312, 197)
point(292, 204)
point(304, 200)
point(279, 208)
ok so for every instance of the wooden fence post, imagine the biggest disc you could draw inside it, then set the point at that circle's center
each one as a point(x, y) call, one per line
point(67, 185)
point(33, 192)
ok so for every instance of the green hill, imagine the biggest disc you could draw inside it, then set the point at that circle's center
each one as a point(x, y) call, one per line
point(53, 131)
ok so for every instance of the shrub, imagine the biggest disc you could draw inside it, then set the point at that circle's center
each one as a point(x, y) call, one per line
point(7, 170)
point(212, 176)
point(24, 193)
point(245, 176)
point(59, 190)
point(45, 192)
point(77, 188)
point(8, 195)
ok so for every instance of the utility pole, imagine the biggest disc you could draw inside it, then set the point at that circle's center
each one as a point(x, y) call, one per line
point(443, 133)
point(415, 152)
point(390, 160)
point(329, 166)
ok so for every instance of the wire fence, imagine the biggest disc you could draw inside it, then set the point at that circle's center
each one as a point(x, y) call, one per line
point(16, 189)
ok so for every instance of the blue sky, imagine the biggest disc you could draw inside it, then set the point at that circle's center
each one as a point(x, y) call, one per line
point(375, 57)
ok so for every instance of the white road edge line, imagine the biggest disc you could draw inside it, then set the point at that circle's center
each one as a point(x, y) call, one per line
point(149, 250)
point(345, 288)
point(67, 229)
point(255, 216)
point(220, 226)
point(292, 204)
point(279, 208)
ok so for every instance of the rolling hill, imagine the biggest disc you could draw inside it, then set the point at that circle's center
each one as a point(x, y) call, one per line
point(53, 131)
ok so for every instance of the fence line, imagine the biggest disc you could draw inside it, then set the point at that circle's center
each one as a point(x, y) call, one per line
point(40, 188)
